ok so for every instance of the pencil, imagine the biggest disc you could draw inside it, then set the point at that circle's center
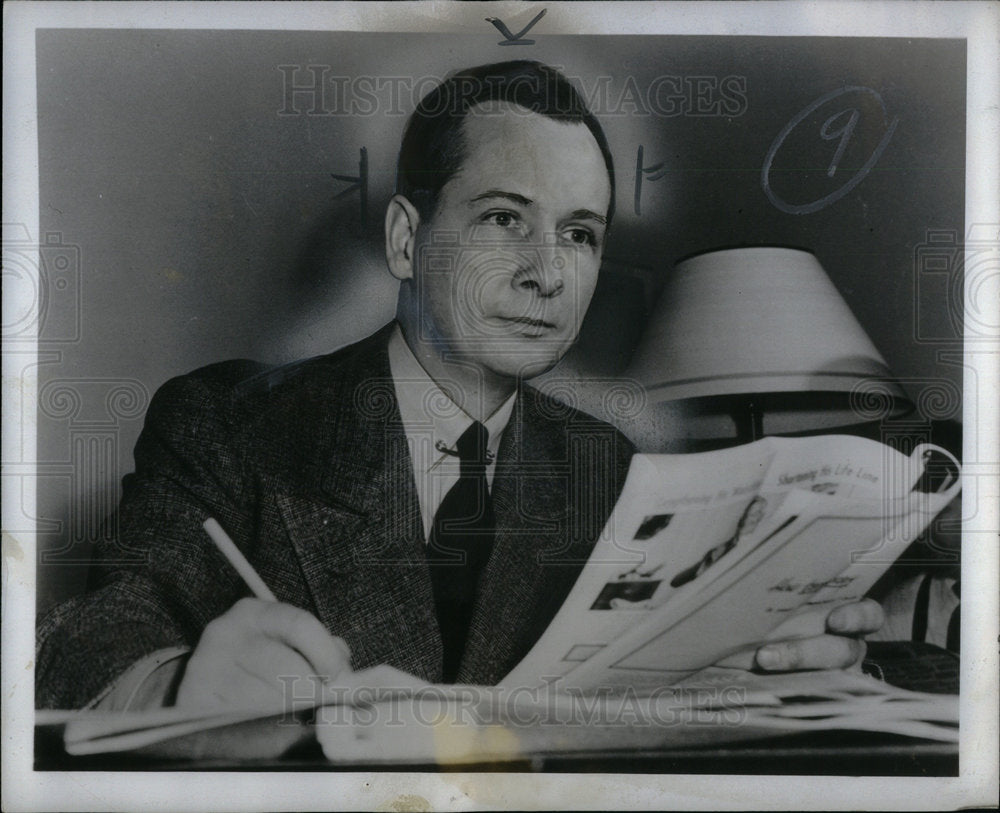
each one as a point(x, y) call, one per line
point(232, 553)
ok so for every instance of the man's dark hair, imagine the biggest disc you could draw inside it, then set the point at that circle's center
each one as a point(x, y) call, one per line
point(433, 145)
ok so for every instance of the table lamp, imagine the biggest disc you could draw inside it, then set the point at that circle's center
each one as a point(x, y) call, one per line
point(761, 332)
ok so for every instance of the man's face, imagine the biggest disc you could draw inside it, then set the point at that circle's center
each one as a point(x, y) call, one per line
point(506, 268)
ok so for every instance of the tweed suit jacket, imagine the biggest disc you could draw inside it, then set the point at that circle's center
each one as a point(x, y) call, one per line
point(308, 469)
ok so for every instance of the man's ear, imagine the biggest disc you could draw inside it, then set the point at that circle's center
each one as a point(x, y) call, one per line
point(401, 222)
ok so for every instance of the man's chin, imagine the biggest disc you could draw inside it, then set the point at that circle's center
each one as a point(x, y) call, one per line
point(524, 365)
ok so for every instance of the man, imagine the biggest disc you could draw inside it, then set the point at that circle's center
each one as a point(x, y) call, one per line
point(409, 499)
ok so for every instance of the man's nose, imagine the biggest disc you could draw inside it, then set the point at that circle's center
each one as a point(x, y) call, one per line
point(542, 273)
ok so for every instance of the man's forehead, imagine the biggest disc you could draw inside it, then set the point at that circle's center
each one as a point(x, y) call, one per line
point(507, 144)
point(506, 122)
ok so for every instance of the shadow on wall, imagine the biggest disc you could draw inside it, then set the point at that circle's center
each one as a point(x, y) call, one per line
point(338, 287)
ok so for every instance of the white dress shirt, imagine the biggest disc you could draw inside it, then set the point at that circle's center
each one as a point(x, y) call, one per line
point(433, 421)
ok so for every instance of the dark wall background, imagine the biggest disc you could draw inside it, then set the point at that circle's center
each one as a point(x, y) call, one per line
point(193, 200)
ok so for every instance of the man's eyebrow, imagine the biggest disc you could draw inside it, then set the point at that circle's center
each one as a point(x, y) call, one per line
point(500, 193)
point(587, 214)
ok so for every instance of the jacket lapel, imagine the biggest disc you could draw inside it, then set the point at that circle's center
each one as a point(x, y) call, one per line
point(355, 524)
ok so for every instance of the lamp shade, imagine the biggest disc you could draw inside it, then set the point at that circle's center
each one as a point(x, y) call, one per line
point(761, 320)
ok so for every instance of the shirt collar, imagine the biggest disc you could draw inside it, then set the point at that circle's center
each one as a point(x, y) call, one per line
point(425, 407)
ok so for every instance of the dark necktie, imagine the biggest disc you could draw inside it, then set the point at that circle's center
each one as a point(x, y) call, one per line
point(460, 543)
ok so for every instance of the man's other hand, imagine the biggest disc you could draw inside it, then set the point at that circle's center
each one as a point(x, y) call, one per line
point(840, 648)
point(262, 655)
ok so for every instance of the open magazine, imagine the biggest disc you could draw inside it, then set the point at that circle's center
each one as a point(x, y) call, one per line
point(704, 558)
point(708, 556)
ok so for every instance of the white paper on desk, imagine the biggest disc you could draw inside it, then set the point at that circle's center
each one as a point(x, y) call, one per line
point(105, 732)
point(464, 725)
point(707, 555)
point(450, 725)
point(848, 701)
point(96, 732)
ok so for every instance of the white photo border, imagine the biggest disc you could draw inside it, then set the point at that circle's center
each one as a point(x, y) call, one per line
point(24, 789)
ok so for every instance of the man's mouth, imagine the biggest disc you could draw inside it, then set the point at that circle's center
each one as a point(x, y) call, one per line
point(538, 324)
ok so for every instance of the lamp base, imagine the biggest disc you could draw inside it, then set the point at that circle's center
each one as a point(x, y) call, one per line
point(749, 419)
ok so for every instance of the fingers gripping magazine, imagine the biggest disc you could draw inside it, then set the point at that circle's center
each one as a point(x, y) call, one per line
point(708, 556)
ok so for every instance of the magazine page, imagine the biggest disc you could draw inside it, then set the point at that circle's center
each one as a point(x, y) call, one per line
point(692, 530)
point(831, 552)
point(784, 589)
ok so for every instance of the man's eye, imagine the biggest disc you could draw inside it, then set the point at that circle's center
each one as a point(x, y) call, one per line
point(505, 220)
point(582, 237)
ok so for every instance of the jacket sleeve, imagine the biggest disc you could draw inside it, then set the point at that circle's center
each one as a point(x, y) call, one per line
point(156, 580)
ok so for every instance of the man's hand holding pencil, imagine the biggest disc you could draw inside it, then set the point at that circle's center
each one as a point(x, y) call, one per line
point(253, 655)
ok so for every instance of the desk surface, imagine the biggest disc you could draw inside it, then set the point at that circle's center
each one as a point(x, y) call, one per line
point(833, 753)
